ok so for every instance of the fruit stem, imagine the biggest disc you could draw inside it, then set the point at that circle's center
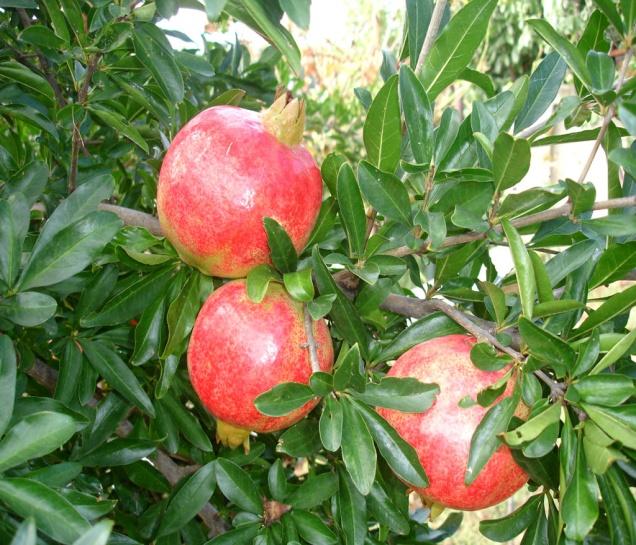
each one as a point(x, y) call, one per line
point(286, 121)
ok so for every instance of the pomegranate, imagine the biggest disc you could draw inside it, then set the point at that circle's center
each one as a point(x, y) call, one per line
point(441, 435)
point(240, 349)
point(225, 171)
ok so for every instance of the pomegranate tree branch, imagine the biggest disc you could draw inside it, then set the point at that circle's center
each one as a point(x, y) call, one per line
point(311, 341)
point(134, 217)
point(46, 376)
point(431, 33)
point(607, 119)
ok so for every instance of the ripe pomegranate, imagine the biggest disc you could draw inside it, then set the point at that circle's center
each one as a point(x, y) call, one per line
point(441, 435)
point(240, 349)
point(225, 171)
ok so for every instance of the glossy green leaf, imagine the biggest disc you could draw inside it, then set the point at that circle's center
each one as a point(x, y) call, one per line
point(282, 250)
point(110, 366)
point(312, 529)
point(189, 425)
point(242, 535)
point(418, 15)
point(330, 424)
point(601, 68)
point(546, 346)
point(382, 128)
point(618, 423)
point(351, 208)
point(188, 500)
point(382, 507)
point(615, 352)
point(31, 82)
point(358, 452)
point(25, 533)
point(485, 357)
point(237, 486)
point(7, 381)
point(511, 160)
point(258, 280)
point(455, 46)
point(298, 11)
point(314, 491)
point(385, 192)
point(300, 285)
point(609, 390)
point(148, 332)
point(508, 527)
point(321, 306)
point(400, 393)
point(14, 217)
point(615, 262)
point(284, 398)
point(617, 304)
point(97, 535)
point(119, 124)
point(28, 308)
point(418, 115)
point(352, 511)
point(533, 427)
point(523, 268)
point(118, 452)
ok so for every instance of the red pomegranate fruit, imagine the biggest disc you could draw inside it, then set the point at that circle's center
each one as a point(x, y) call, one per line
point(240, 349)
point(441, 435)
point(226, 170)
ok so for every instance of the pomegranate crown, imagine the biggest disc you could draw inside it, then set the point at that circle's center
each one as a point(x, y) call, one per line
point(285, 120)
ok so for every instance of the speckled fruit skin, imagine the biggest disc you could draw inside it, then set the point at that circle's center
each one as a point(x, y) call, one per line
point(441, 435)
point(224, 173)
point(240, 349)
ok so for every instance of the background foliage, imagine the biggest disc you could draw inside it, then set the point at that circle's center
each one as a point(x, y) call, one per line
point(103, 440)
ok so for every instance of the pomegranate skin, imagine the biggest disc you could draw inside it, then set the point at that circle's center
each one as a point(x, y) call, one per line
point(441, 435)
point(223, 173)
point(240, 349)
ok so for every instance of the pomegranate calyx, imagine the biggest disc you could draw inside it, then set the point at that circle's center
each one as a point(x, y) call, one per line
point(273, 510)
point(285, 120)
point(232, 436)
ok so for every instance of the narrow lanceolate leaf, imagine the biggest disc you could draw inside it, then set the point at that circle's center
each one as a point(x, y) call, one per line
point(402, 394)
point(312, 529)
point(237, 486)
point(25, 78)
point(130, 301)
point(14, 218)
point(619, 423)
point(284, 398)
point(456, 45)
point(358, 452)
point(154, 51)
point(35, 435)
point(119, 124)
point(616, 305)
point(69, 250)
point(418, 14)
point(97, 535)
point(282, 250)
point(606, 389)
point(258, 280)
point(568, 51)
point(385, 510)
point(188, 500)
point(418, 115)
point(615, 262)
point(300, 285)
point(382, 128)
point(542, 90)
point(523, 267)
point(110, 366)
point(148, 331)
point(533, 427)
point(25, 533)
point(546, 346)
point(580, 507)
point(400, 456)
point(510, 526)
point(315, 490)
point(385, 192)
point(330, 424)
point(54, 515)
point(352, 511)
point(7, 381)
point(511, 160)
point(485, 440)
point(616, 352)
point(28, 308)
point(121, 451)
point(351, 208)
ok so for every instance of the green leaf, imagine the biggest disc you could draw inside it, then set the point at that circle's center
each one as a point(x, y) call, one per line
point(300, 440)
point(550, 308)
point(615, 422)
point(455, 46)
point(325, 220)
point(616, 305)
point(300, 285)
point(615, 352)
point(321, 306)
point(523, 268)
point(7, 381)
point(351, 208)
point(214, 8)
point(382, 133)
point(119, 124)
point(188, 500)
point(155, 53)
point(258, 280)
point(485, 357)
point(14, 217)
point(612, 226)
point(312, 529)
point(110, 366)
point(497, 299)
point(571, 259)
point(385, 192)
point(149, 332)
point(343, 313)
point(314, 491)
point(330, 424)
point(383, 508)
point(629, 15)
point(546, 346)
point(189, 425)
point(97, 535)
point(445, 134)
point(400, 456)
point(614, 264)
point(532, 428)
point(508, 527)
point(237, 486)
point(298, 11)
point(277, 481)
point(242, 535)
point(609, 390)
point(579, 508)
point(20, 74)
point(54, 515)
point(282, 250)
point(118, 452)
point(511, 160)
point(400, 393)
point(358, 452)
point(330, 168)
point(537, 533)
point(25, 534)
point(485, 439)
point(34, 436)
point(418, 18)
point(284, 398)
point(601, 68)
point(352, 511)
point(480, 79)
point(418, 115)
point(569, 53)
point(347, 371)
point(542, 90)
point(28, 308)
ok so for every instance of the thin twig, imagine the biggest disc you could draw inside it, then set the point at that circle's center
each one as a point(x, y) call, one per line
point(431, 33)
point(134, 217)
point(606, 120)
point(557, 389)
point(311, 341)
